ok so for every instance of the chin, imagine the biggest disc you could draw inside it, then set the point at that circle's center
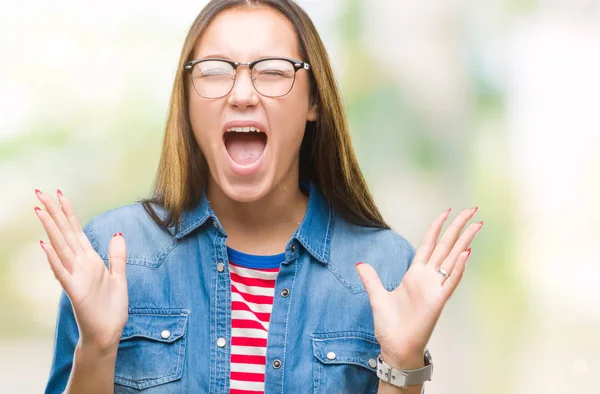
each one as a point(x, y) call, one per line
point(245, 190)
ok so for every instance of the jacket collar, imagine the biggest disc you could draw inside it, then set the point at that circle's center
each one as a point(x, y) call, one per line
point(316, 229)
point(314, 232)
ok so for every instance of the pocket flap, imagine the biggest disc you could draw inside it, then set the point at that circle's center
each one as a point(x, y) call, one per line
point(164, 325)
point(346, 347)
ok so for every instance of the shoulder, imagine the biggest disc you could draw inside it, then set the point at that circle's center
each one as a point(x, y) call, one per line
point(384, 249)
point(144, 238)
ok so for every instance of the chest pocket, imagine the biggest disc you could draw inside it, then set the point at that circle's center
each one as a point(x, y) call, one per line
point(152, 348)
point(344, 362)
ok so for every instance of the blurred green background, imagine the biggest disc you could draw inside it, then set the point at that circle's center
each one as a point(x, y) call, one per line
point(451, 104)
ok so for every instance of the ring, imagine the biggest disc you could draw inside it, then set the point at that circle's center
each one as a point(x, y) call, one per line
point(443, 272)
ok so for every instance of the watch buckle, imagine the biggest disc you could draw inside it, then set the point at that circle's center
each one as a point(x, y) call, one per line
point(398, 379)
point(388, 374)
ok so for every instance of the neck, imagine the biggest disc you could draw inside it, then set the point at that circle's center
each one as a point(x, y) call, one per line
point(263, 226)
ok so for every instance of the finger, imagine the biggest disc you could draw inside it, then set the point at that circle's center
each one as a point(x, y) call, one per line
point(430, 239)
point(450, 236)
point(117, 255)
point(58, 269)
point(372, 283)
point(453, 280)
point(69, 213)
point(59, 245)
point(61, 221)
point(461, 245)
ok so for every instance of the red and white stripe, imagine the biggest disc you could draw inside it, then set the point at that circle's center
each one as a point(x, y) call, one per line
point(252, 292)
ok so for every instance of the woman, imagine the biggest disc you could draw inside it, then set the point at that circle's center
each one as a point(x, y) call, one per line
point(239, 274)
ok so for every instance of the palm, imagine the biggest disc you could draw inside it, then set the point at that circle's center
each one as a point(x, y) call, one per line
point(404, 318)
point(91, 282)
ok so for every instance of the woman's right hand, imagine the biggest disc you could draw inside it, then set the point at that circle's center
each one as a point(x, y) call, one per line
point(98, 295)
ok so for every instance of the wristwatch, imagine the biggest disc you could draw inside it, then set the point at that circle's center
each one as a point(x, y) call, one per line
point(405, 377)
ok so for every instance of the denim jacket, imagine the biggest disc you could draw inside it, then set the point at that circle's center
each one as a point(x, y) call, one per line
point(320, 336)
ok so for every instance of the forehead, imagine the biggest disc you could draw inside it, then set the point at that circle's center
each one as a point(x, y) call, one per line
point(245, 34)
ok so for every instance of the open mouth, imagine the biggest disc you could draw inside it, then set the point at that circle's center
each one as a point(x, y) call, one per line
point(244, 145)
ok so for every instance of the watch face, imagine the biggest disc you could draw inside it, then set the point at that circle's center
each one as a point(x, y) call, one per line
point(429, 362)
point(428, 359)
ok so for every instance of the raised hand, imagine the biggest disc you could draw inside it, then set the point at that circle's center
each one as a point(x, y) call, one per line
point(98, 295)
point(405, 317)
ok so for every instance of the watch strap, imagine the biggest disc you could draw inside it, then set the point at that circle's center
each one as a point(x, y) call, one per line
point(405, 377)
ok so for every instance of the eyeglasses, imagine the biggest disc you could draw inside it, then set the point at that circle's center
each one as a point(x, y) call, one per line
point(271, 77)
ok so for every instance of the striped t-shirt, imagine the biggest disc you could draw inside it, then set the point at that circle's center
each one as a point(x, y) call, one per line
point(252, 290)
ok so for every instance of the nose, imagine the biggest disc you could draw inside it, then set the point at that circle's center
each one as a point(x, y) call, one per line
point(243, 94)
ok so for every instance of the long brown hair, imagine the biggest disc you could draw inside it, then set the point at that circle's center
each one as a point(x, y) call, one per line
point(326, 154)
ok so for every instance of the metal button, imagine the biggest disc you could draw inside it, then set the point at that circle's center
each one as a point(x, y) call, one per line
point(220, 267)
point(221, 342)
point(372, 363)
point(293, 248)
point(331, 356)
point(276, 364)
point(165, 334)
point(285, 292)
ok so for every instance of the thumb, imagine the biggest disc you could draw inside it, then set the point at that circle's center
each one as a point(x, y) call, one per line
point(117, 255)
point(371, 281)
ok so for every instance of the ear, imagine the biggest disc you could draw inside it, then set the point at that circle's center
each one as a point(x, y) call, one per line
point(312, 113)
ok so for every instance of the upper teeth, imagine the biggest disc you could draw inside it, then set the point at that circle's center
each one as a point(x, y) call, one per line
point(244, 129)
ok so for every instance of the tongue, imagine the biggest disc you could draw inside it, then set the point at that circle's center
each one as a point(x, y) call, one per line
point(246, 148)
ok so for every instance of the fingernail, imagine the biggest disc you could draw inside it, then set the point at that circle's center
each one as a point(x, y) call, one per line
point(37, 191)
point(59, 192)
point(359, 263)
point(469, 252)
point(475, 209)
point(118, 235)
point(480, 227)
point(36, 209)
point(448, 211)
point(42, 244)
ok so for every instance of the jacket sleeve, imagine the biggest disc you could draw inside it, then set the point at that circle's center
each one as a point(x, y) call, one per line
point(66, 336)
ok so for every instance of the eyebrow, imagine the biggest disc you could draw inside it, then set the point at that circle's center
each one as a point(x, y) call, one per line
point(216, 55)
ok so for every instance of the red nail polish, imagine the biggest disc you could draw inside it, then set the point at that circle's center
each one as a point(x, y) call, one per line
point(42, 244)
point(469, 252)
point(475, 210)
point(359, 263)
point(37, 191)
point(59, 192)
point(480, 227)
point(117, 235)
point(448, 211)
point(36, 209)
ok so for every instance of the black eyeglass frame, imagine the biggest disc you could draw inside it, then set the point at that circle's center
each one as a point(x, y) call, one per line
point(298, 65)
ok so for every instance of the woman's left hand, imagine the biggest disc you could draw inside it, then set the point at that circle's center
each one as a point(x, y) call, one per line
point(405, 317)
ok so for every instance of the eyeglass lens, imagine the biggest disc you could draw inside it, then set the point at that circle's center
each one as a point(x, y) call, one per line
point(270, 77)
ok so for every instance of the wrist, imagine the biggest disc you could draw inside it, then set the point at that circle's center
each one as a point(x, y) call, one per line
point(407, 375)
point(101, 345)
point(91, 351)
point(412, 360)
